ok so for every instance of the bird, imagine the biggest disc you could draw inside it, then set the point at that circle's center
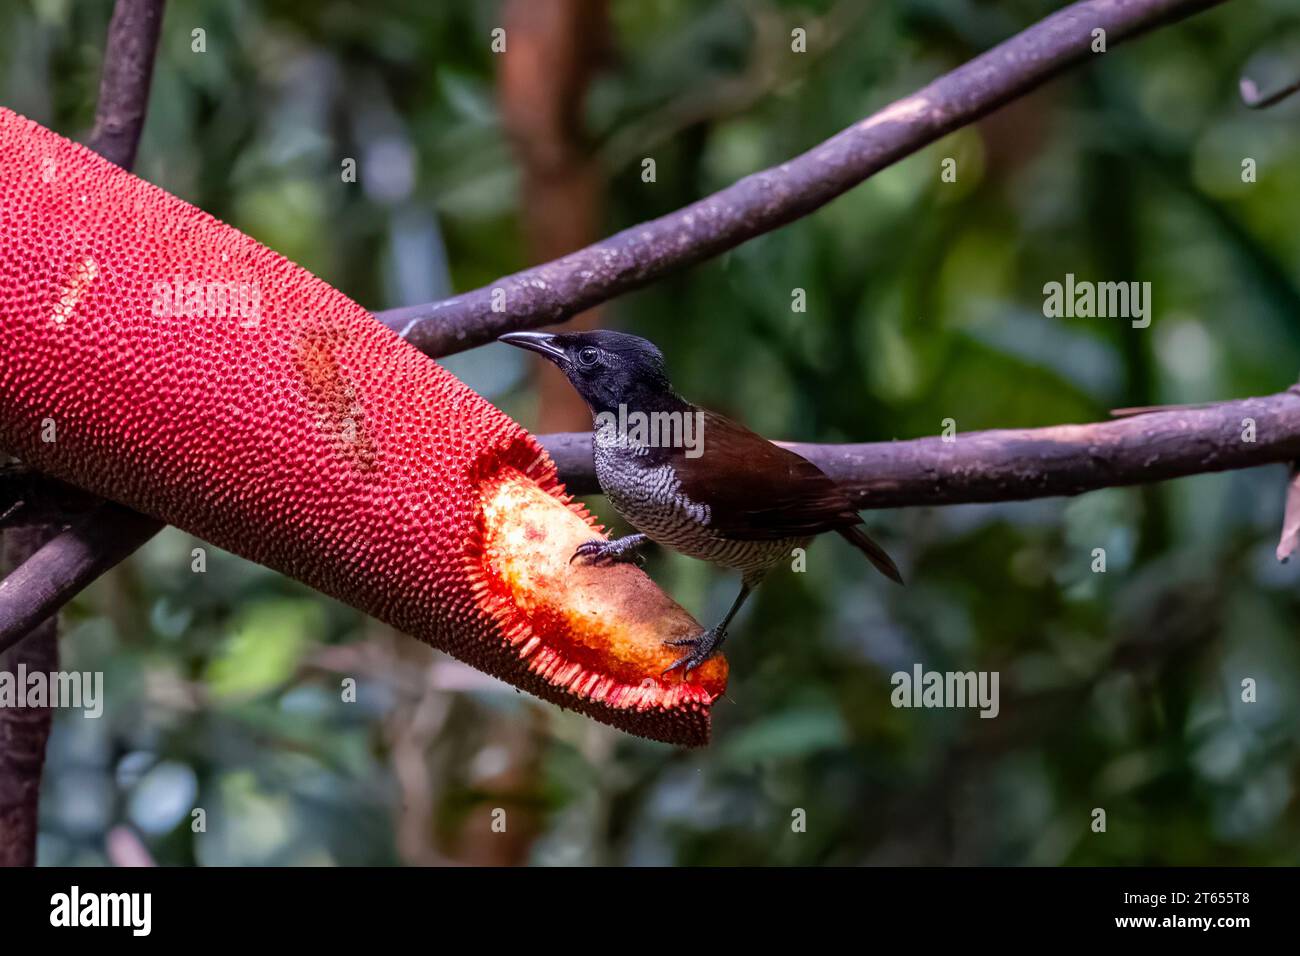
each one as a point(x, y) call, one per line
point(714, 490)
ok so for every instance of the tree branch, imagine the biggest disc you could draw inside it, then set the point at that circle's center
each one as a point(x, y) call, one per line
point(997, 465)
point(769, 199)
point(23, 730)
point(124, 85)
point(54, 574)
point(1019, 464)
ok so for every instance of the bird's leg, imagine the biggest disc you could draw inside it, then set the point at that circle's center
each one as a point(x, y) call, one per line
point(706, 643)
point(626, 548)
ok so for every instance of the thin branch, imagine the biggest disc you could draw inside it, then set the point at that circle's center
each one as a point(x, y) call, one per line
point(124, 85)
point(1019, 464)
point(1257, 100)
point(769, 199)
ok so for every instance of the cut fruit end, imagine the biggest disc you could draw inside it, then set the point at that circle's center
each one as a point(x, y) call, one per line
point(594, 635)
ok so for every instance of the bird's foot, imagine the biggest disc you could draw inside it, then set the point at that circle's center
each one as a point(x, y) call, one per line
point(621, 551)
point(703, 646)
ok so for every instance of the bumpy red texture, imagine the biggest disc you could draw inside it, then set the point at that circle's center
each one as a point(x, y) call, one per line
point(158, 357)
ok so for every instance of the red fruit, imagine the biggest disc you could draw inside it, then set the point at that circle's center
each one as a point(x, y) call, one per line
point(187, 371)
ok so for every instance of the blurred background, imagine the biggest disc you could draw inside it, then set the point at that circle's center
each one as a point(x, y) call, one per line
point(924, 301)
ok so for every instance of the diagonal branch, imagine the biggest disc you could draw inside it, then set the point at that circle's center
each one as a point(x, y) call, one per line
point(769, 199)
point(53, 575)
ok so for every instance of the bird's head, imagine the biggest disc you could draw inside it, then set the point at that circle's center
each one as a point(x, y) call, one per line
point(607, 368)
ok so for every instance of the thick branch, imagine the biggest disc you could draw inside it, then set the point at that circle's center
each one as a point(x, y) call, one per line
point(54, 574)
point(769, 199)
point(998, 465)
point(1014, 465)
point(23, 730)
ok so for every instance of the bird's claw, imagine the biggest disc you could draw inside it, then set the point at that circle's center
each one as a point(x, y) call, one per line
point(603, 553)
point(702, 646)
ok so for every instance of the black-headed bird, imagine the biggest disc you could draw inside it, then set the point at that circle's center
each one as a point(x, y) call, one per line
point(689, 479)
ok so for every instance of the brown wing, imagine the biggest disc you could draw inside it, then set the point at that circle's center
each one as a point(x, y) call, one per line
point(760, 491)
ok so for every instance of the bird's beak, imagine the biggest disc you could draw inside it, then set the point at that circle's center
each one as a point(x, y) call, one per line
point(543, 343)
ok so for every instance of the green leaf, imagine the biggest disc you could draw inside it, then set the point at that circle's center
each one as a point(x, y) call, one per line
point(265, 648)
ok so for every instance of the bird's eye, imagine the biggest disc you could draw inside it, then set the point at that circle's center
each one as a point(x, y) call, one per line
point(588, 356)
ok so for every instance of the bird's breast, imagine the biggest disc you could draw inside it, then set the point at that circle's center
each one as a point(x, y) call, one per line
point(647, 494)
point(645, 490)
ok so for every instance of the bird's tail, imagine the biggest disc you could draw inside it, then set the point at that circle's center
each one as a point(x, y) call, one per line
point(855, 536)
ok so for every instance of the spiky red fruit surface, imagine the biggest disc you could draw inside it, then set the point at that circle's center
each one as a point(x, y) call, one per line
point(158, 357)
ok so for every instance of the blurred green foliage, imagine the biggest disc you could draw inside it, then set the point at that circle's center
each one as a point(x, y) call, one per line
point(1119, 690)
